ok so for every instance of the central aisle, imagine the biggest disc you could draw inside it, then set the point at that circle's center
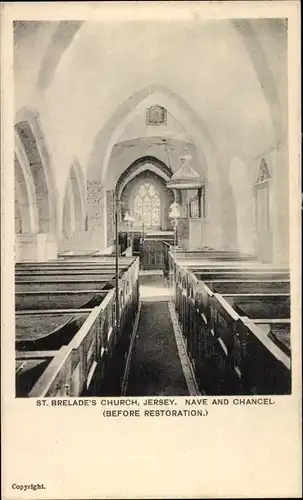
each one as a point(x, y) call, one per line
point(155, 367)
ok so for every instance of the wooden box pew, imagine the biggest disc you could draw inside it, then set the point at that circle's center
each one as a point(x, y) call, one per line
point(270, 312)
point(72, 275)
point(70, 268)
point(228, 266)
point(263, 363)
point(260, 305)
point(71, 371)
point(93, 363)
point(233, 356)
point(69, 299)
point(198, 317)
point(238, 274)
point(214, 255)
point(201, 262)
point(278, 330)
point(30, 366)
point(196, 323)
point(198, 265)
point(123, 262)
point(248, 286)
point(223, 274)
point(244, 348)
point(62, 284)
point(232, 272)
point(111, 375)
point(47, 330)
point(79, 253)
point(108, 351)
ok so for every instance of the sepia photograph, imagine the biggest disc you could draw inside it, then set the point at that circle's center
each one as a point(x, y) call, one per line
point(151, 208)
point(150, 228)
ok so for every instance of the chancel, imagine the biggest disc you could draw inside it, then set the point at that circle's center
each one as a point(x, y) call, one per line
point(152, 209)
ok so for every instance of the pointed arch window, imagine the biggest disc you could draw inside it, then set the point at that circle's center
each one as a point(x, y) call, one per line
point(147, 206)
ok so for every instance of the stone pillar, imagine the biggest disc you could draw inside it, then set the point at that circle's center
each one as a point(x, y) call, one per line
point(96, 213)
point(214, 214)
point(38, 247)
point(280, 207)
point(191, 233)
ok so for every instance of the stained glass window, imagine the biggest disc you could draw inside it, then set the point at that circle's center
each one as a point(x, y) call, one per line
point(147, 206)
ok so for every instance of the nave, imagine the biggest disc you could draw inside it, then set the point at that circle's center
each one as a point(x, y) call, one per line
point(151, 207)
point(210, 323)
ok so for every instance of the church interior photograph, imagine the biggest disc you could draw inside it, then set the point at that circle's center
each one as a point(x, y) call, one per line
point(151, 174)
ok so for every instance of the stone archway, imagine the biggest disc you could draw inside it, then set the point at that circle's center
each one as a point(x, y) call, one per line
point(150, 163)
point(99, 204)
point(242, 191)
point(108, 136)
point(30, 135)
point(26, 213)
point(35, 200)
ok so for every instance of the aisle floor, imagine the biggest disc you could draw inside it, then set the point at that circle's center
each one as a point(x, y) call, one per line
point(155, 367)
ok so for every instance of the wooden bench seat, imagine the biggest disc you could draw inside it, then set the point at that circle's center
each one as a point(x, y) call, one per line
point(249, 286)
point(58, 300)
point(69, 270)
point(278, 330)
point(123, 262)
point(28, 369)
point(47, 330)
point(202, 266)
point(260, 305)
point(63, 284)
point(73, 276)
point(238, 274)
point(214, 255)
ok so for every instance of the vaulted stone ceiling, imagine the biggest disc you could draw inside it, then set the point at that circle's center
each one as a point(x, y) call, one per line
point(222, 82)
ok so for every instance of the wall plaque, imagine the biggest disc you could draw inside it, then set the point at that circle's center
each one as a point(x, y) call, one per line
point(156, 115)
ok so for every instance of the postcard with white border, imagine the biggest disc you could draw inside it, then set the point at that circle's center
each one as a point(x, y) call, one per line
point(151, 250)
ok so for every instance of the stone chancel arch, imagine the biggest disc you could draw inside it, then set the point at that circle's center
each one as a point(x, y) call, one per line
point(146, 163)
